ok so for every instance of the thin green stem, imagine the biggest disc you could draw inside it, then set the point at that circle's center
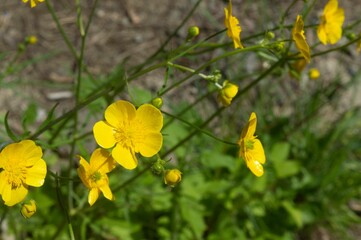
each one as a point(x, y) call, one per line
point(198, 128)
point(60, 28)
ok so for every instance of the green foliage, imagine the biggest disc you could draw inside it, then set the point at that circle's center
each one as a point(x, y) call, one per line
point(309, 133)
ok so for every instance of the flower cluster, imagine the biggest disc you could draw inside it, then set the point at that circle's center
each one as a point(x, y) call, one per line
point(126, 131)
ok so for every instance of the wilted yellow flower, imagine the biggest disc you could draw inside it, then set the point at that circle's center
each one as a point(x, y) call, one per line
point(298, 35)
point(28, 209)
point(33, 2)
point(251, 149)
point(131, 131)
point(21, 166)
point(313, 73)
point(233, 27)
point(330, 28)
point(94, 174)
point(227, 93)
point(172, 177)
point(297, 67)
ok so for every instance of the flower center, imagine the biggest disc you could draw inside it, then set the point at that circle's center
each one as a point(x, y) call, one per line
point(249, 144)
point(15, 174)
point(128, 134)
point(95, 176)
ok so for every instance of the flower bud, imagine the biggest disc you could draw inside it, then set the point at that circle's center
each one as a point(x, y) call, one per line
point(31, 39)
point(157, 102)
point(313, 73)
point(172, 177)
point(192, 32)
point(28, 210)
point(270, 35)
point(227, 93)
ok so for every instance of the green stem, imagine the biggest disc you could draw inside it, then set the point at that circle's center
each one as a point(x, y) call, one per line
point(60, 28)
point(199, 129)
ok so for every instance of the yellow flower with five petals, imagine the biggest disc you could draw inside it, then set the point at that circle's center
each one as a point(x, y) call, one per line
point(21, 166)
point(251, 149)
point(33, 2)
point(330, 28)
point(233, 27)
point(131, 131)
point(94, 174)
point(298, 35)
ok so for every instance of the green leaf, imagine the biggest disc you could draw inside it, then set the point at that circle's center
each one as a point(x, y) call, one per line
point(280, 152)
point(295, 213)
point(8, 129)
point(286, 168)
point(192, 213)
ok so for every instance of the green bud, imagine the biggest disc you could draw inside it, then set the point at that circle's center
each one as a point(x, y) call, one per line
point(192, 32)
point(157, 102)
point(351, 36)
point(270, 35)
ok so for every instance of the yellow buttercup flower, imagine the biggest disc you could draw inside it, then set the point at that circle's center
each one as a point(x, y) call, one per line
point(21, 166)
point(94, 174)
point(130, 131)
point(227, 93)
point(298, 35)
point(33, 2)
point(330, 28)
point(251, 149)
point(28, 209)
point(233, 27)
point(172, 177)
point(313, 73)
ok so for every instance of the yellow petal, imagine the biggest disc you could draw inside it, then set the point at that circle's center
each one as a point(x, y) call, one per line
point(302, 46)
point(321, 33)
point(107, 192)
point(258, 152)
point(255, 167)
point(330, 7)
point(149, 145)
point(12, 196)
point(102, 161)
point(24, 152)
point(120, 112)
point(150, 118)
point(249, 130)
point(104, 134)
point(36, 174)
point(125, 157)
point(93, 196)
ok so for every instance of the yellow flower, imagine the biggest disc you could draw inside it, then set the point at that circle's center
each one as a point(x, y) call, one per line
point(33, 2)
point(94, 174)
point(313, 73)
point(227, 93)
point(21, 166)
point(172, 177)
point(330, 28)
point(131, 131)
point(29, 209)
point(233, 27)
point(298, 35)
point(251, 149)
